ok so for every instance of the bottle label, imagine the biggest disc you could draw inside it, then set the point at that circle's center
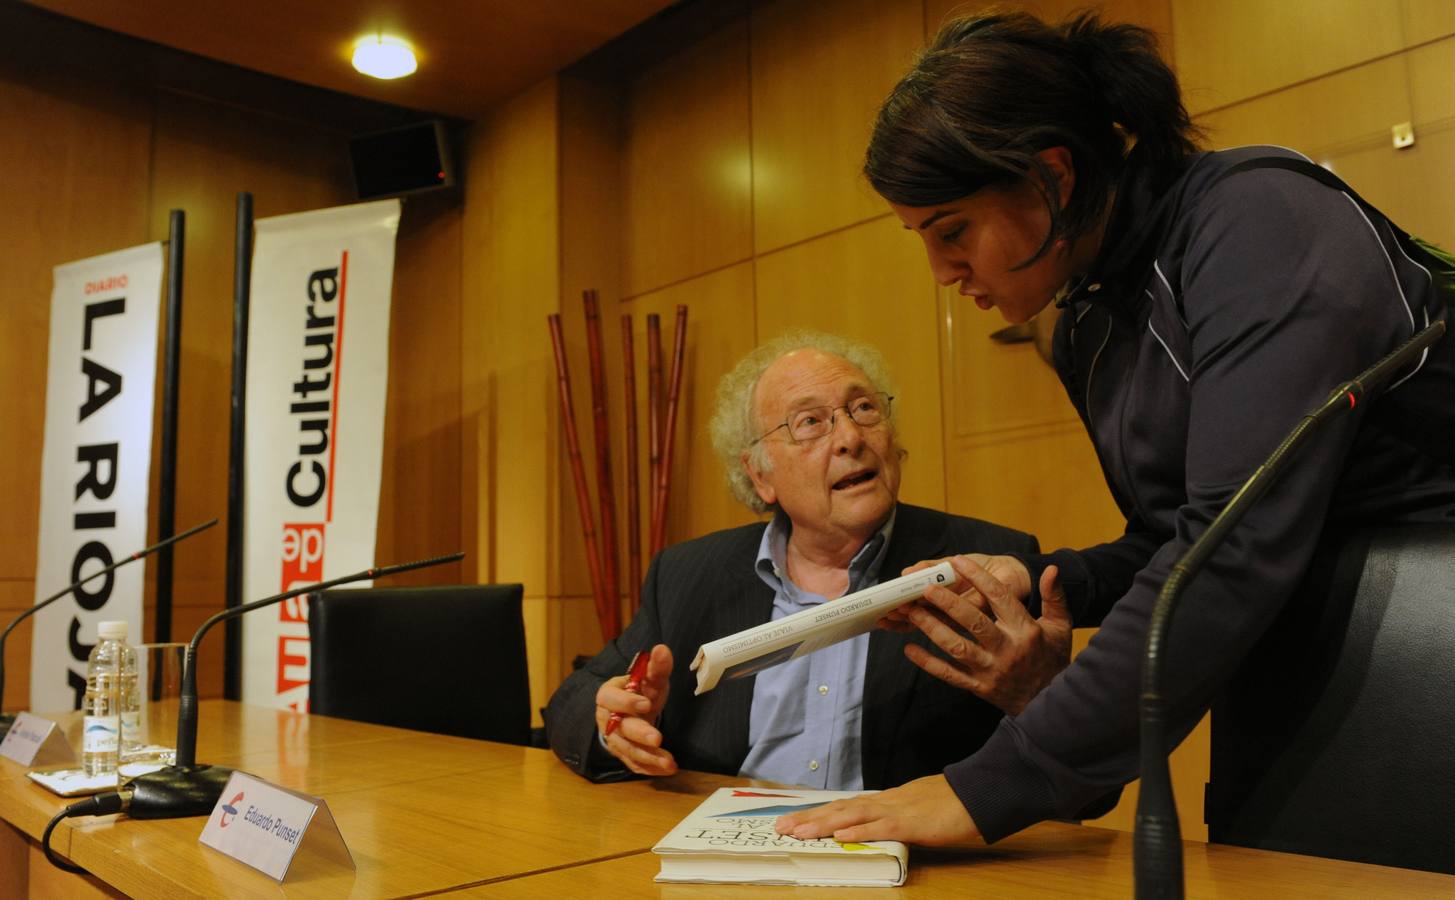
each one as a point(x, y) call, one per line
point(130, 727)
point(100, 734)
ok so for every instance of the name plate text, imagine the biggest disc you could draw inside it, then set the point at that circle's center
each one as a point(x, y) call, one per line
point(33, 741)
point(266, 826)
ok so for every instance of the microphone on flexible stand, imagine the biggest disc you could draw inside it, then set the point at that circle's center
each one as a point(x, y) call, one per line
point(6, 720)
point(1157, 841)
point(187, 789)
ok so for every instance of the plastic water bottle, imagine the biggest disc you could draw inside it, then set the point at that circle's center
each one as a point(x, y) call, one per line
point(105, 673)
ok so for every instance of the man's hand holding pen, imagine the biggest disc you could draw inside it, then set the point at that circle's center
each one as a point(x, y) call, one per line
point(626, 719)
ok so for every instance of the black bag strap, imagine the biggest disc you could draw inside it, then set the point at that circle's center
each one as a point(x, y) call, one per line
point(1439, 261)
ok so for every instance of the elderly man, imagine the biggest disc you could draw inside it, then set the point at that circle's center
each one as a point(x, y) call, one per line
point(805, 429)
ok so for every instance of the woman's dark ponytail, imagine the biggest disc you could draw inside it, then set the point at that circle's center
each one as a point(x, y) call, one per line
point(1140, 91)
point(989, 93)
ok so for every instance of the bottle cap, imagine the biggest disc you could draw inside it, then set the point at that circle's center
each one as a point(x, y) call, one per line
point(112, 631)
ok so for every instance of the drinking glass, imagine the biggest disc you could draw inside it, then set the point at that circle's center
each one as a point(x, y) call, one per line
point(159, 682)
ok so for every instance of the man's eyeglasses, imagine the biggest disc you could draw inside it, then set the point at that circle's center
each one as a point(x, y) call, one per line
point(806, 425)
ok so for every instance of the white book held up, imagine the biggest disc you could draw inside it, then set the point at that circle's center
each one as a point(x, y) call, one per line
point(754, 649)
point(729, 838)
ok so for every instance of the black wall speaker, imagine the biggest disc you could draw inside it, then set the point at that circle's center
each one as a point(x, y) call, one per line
point(402, 161)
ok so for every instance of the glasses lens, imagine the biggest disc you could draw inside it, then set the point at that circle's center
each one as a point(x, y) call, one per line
point(868, 410)
point(808, 424)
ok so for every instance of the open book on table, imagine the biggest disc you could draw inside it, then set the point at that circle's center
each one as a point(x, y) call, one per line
point(729, 838)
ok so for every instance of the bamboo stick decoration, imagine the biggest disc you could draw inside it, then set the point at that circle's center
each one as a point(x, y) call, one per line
point(605, 613)
point(605, 482)
point(633, 499)
point(664, 489)
point(654, 427)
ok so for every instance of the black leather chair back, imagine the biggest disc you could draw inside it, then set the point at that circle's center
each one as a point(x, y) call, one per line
point(449, 660)
point(1338, 737)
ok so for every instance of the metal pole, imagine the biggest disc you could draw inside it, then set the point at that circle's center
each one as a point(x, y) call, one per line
point(241, 287)
point(171, 366)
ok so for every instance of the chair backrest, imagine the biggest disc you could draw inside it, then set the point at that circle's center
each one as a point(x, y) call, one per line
point(449, 660)
point(1338, 737)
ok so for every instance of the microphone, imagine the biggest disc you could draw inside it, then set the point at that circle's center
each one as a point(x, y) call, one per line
point(6, 720)
point(185, 788)
point(1157, 839)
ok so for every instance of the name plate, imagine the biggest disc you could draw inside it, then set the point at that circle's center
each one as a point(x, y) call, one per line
point(266, 826)
point(33, 741)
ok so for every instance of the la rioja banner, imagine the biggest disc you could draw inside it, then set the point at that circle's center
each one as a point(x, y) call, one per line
point(96, 462)
point(318, 370)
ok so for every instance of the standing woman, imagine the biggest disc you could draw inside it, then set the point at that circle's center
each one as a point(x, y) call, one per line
point(1209, 301)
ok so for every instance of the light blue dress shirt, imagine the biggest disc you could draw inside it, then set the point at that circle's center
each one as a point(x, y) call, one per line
point(804, 728)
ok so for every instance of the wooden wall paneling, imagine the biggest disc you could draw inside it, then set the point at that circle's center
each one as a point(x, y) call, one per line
point(1348, 110)
point(1234, 50)
point(591, 244)
point(1153, 14)
point(511, 282)
point(202, 599)
point(686, 194)
point(1426, 20)
point(819, 74)
point(420, 504)
point(478, 370)
point(16, 595)
point(1045, 480)
point(719, 333)
point(1016, 451)
point(75, 154)
point(1434, 159)
point(870, 283)
point(203, 155)
point(992, 387)
point(1432, 70)
point(518, 287)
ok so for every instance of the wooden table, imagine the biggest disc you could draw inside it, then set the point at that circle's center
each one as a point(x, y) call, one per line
point(419, 812)
point(432, 814)
point(1051, 861)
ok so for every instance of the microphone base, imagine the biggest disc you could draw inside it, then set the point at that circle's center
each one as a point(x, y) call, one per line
point(6, 720)
point(177, 792)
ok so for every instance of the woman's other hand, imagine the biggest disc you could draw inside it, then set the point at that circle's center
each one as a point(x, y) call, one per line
point(992, 646)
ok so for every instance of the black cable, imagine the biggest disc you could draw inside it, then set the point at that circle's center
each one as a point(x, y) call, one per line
point(99, 805)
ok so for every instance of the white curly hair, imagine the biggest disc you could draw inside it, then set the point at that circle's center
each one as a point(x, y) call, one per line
point(735, 424)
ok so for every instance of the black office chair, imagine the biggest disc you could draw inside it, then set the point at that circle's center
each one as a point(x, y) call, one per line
point(449, 660)
point(1366, 770)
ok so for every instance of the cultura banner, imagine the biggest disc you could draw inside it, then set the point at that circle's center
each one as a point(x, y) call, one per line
point(318, 371)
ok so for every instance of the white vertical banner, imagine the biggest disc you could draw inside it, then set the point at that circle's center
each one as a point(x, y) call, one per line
point(318, 371)
point(96, 464)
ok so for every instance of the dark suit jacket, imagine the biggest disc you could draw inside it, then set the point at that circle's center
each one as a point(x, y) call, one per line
point(701, 590)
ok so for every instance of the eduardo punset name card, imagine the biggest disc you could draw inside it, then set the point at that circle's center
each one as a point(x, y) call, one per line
point(33, 741)
point(265, 826)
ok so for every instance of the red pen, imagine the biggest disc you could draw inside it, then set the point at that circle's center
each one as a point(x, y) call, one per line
point(636, 673)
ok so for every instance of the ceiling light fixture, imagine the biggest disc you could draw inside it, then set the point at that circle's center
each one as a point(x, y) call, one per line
point(380, 56)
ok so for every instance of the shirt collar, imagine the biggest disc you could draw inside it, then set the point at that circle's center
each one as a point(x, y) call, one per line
point(863, 568)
